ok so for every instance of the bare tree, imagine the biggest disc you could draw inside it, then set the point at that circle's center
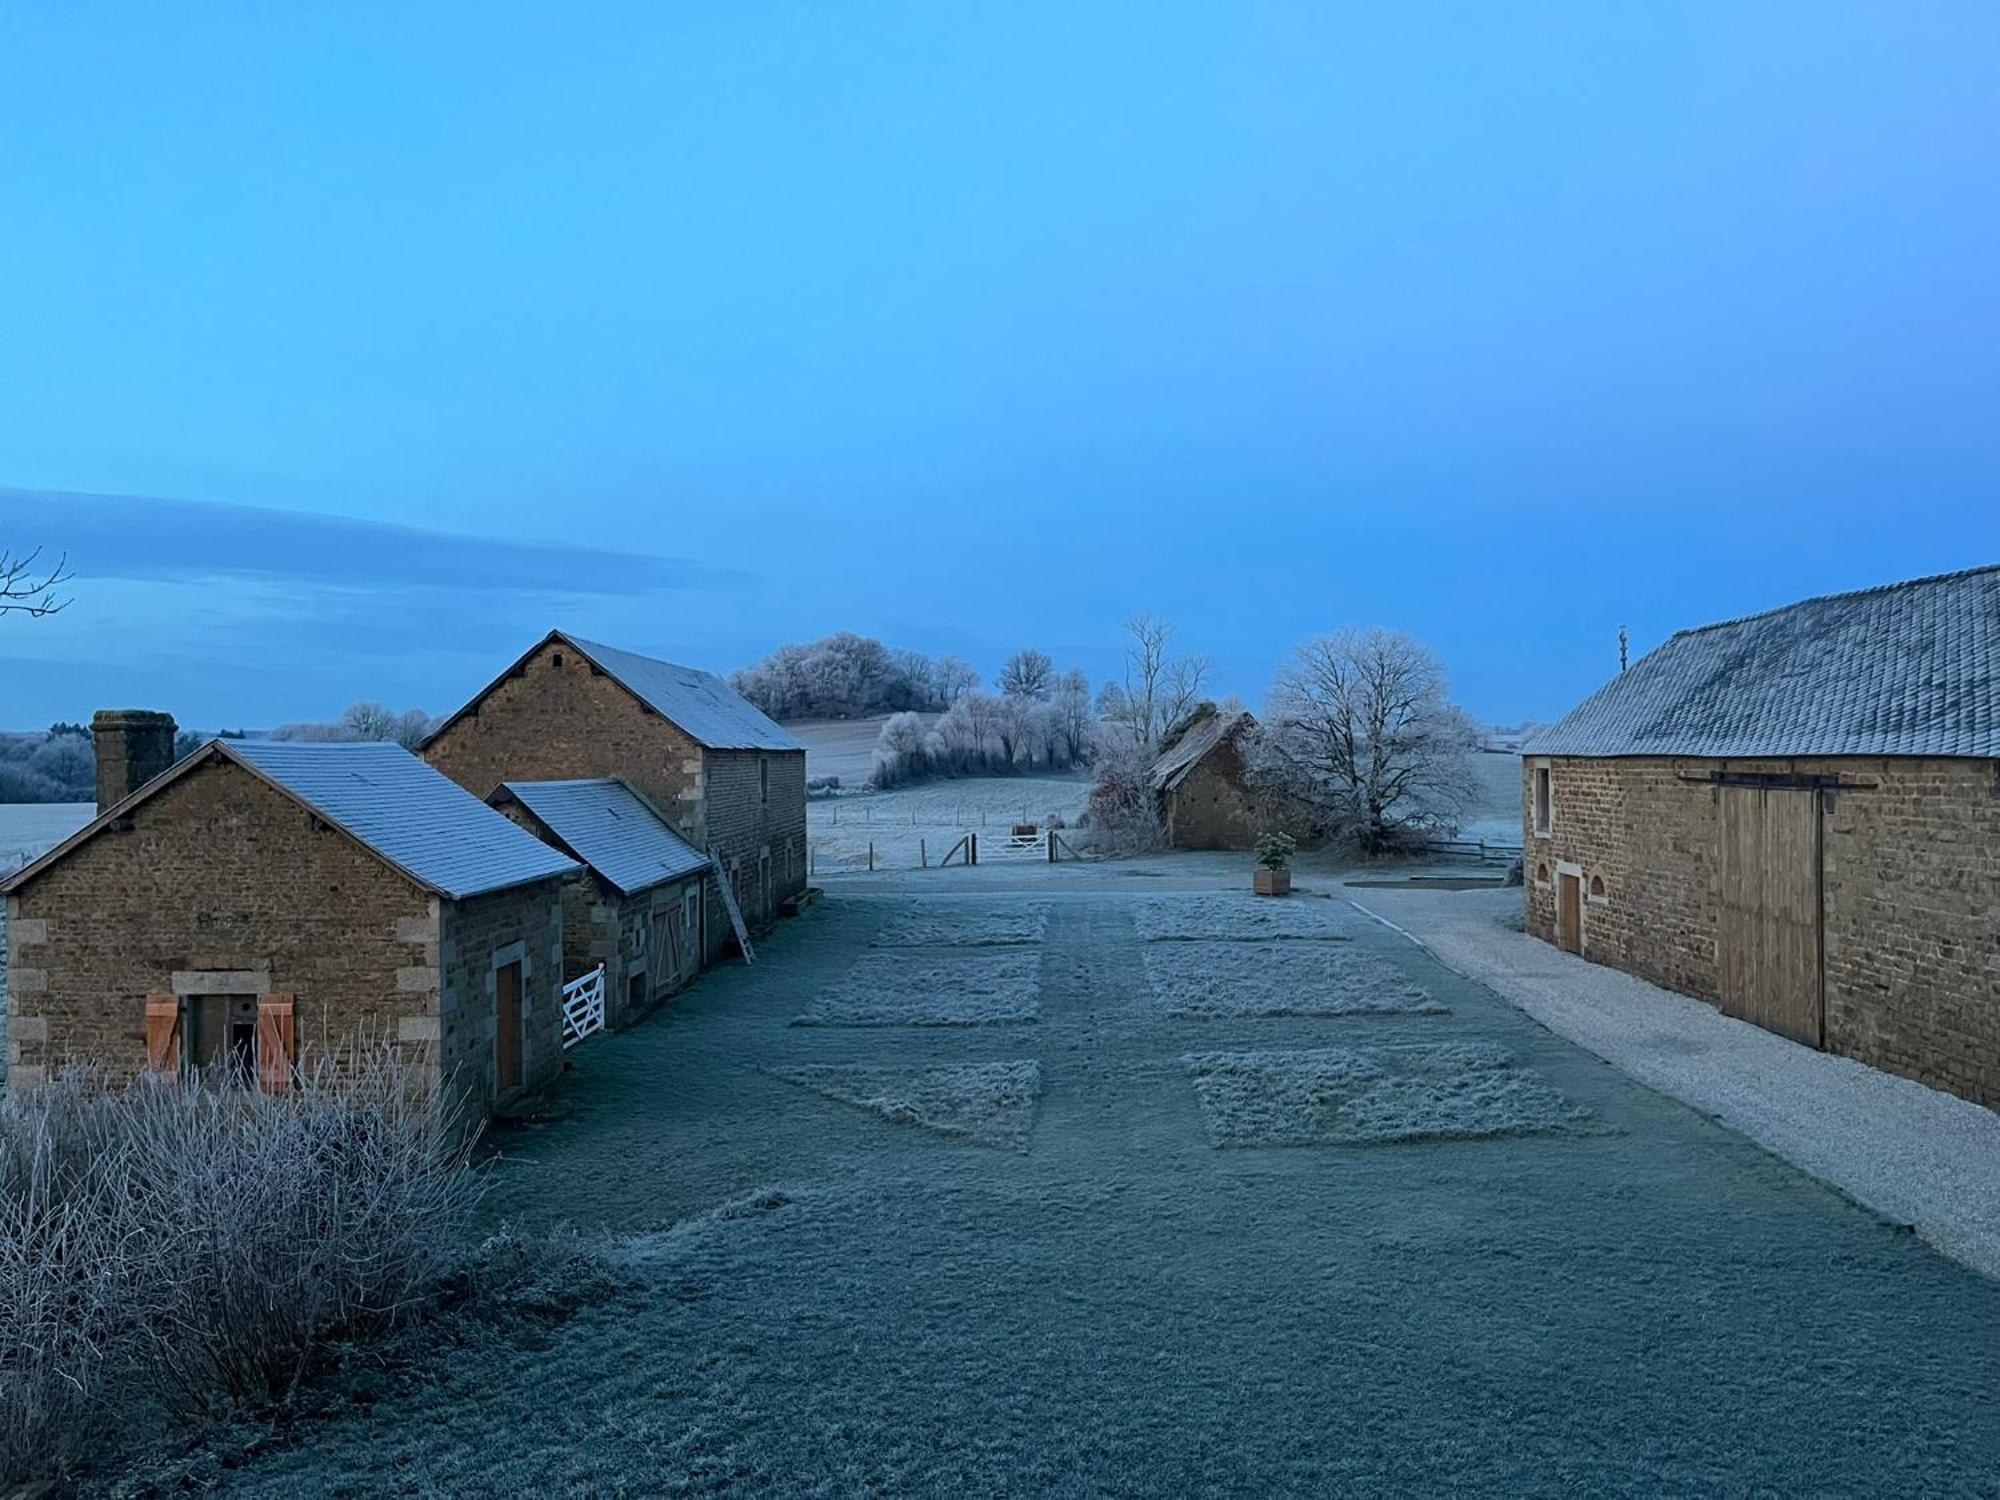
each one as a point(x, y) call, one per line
point(1028, 674)
point(1073, 719)
point(1360, 733)
point(1159, 690)
point(28, 587)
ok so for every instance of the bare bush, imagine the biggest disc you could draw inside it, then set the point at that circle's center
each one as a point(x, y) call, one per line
point(182, 1247)
point(1124, 811)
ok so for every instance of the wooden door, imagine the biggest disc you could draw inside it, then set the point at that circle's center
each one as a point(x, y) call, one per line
point(507, 1037)
point(1569, 912)
point(1768, 935)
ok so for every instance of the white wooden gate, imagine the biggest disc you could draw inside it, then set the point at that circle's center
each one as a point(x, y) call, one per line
point(583, 1007)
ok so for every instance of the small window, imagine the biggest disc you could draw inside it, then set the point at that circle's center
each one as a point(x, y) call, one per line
point(763, 781)
point(1544, 802)
point(1597, 887)
point(558, 658)
point(1541, 874)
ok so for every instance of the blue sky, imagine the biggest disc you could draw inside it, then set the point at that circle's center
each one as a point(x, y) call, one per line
point(380, 339)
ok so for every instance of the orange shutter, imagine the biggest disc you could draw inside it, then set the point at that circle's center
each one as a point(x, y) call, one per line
point(163, 1033)
point(276, 1043)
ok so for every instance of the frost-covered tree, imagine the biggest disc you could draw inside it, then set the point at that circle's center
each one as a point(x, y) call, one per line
point(365, 721)
point(953, 679)
point(901, 751)
point(1028, 674)
point(1360, 734)
point(841, 677)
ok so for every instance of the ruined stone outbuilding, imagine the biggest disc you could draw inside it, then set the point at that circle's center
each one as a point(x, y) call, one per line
point(261, 905)
point(1201, 783)
point(730, 782)
point(1796, 817)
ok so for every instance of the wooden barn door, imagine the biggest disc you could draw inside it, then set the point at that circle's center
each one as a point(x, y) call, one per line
point(507, 1034)
point(1569, 912)
point(1768, 935)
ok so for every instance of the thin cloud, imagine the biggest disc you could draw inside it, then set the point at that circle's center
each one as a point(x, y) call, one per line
point(153, 540)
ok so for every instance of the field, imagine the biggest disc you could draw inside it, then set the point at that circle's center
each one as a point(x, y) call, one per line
point(913, 823)
point(1115, 1250)
point(842, 747)
point(1496, 814)
point(28, 828)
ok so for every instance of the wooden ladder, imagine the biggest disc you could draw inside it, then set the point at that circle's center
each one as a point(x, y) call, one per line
point(729, 904)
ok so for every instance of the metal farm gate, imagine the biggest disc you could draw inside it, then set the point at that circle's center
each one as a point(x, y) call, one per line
point(1769, 935)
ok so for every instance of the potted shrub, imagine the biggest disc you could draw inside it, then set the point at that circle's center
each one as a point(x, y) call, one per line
point(1274, 864)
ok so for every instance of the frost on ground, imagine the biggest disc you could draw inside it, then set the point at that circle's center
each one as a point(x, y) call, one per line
point(992, 1103)
point(979, 926)
point(1454, 1091)
point(909, 989)
point(1213, 980)
point(1233, 918)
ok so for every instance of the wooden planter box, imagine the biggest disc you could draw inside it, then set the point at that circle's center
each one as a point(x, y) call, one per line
point(1273, 882)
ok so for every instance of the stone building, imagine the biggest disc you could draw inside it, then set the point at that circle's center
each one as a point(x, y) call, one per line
point(636, 905)
point(260, 904)
point(1796, 817)
point(729, 780)
point(1205, 802)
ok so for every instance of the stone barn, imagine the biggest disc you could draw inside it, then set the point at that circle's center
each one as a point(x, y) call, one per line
point(1796, 817)
point(260, 905)
point(636, 905)
point(729, 780)
point(1204, 800)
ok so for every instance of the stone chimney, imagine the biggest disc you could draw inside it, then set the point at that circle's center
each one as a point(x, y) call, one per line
point(133, 746)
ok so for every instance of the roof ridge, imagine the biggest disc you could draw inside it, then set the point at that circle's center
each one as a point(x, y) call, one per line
point(1877, 588)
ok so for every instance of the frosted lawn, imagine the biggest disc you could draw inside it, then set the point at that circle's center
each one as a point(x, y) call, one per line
point(991, 1103)
point(970, 926)
point(1201, 981)
point(1229, 918)
point(909, 988)
point(1454, 1091)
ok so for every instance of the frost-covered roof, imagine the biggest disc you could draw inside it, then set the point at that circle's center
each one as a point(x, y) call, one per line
point(410, 816)
point(700, 704)
point(1905, 669)
point(703, 706)
point(611, 828)
point(1172, 768)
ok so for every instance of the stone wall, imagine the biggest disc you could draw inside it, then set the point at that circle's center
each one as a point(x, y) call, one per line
point(1911, 892)
point(1212, 808)
point(480, 935)
point(216, 872)
point(754, 815)
point(560, 719)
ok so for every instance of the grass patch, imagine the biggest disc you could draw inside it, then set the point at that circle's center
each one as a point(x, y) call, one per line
point(991, 1103)
point(974, 927)
point(909, 989)
point(1204, 981)
point(1239, 919)
point(1455, 1091)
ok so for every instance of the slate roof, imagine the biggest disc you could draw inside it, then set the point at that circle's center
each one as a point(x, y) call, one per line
point(1174, 767)
point(1905, 669)
point(611, 828)
point(410, 816)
